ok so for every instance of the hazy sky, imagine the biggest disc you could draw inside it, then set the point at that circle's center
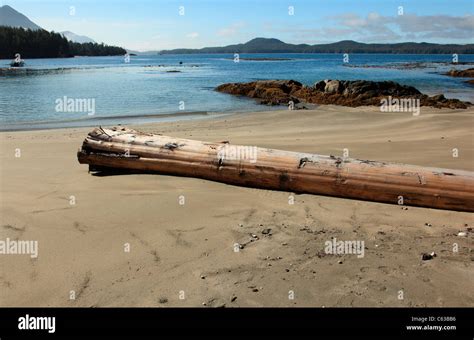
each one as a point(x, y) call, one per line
point(157, 24)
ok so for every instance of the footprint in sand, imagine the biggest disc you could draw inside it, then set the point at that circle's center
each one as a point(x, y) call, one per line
point(84, 285)
point(81, 228)
point(151, 251)
point(11, 228)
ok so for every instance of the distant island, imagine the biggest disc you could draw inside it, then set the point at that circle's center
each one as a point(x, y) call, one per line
point(270, 45)
point(40, 43)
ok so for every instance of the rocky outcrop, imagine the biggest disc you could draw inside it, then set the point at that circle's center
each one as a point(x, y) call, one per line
point(469, 73)
point(338, 92)
point(270, 92)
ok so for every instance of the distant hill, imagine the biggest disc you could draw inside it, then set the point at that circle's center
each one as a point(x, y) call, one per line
point(269, 45)
point(11, 18)
point(133, 52)
point(76, 38)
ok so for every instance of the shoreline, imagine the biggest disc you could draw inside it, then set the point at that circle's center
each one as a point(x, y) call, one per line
point(155, 118)
point(138, 119)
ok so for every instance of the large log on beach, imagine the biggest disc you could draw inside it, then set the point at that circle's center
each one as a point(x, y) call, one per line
point(121, 148)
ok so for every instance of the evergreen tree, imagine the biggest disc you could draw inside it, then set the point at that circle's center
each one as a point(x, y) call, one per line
point(43, 44)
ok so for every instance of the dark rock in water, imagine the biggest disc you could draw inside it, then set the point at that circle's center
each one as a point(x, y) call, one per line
point(339, 92)
point(469, 73)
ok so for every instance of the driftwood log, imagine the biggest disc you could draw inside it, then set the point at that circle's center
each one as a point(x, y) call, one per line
point(125, 149)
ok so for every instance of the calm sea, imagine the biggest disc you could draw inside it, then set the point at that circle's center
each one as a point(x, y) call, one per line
point(145, 90)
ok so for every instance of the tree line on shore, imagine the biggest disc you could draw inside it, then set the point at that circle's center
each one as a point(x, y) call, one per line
point(43, 44)
point(271, 45)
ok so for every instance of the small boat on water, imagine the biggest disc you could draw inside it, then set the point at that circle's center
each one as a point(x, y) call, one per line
point(15, 63)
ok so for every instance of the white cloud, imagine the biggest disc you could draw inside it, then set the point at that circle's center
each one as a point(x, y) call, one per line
point(231, 30)
point(382, 29)
point(192, 35)
point(408, 26)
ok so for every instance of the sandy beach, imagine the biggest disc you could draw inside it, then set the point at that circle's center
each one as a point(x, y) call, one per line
point(184, 255)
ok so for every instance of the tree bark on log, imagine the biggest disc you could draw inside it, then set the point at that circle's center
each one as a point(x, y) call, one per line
point(302, 173)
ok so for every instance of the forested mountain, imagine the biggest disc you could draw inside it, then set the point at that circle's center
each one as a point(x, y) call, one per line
point(265, 45)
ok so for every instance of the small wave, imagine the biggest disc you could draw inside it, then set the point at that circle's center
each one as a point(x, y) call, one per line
point(93, 120)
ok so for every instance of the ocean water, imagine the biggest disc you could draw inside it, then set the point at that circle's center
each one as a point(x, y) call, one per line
point(144, 90)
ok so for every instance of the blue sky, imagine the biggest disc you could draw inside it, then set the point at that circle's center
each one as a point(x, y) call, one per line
point(156, 25)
